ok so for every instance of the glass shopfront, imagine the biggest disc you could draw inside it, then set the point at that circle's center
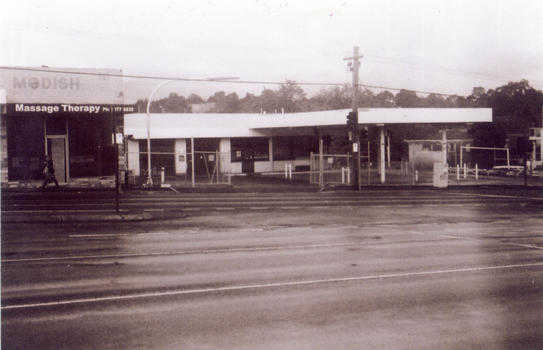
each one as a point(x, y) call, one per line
point(74, 116)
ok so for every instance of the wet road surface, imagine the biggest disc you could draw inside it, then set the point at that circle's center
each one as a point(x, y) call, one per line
point(457, 276)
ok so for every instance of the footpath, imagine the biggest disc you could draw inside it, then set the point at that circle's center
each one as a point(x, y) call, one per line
point(104, 190)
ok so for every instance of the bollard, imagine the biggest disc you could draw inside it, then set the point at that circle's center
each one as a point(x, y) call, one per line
point(288, 171)
point(457, 172)
point(162, 175)
point(343, 171)
point(417, 176)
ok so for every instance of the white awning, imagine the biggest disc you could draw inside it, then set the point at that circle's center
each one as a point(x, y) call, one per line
point(201, 125)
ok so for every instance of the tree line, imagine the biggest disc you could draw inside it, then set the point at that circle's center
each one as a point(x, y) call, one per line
point(516, 107)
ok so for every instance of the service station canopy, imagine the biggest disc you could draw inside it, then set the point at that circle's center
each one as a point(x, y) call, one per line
point(201, 125)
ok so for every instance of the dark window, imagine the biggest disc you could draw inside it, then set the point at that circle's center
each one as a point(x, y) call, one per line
point(293, 147)
point(250, 148)
point(90, 140)
point(26, 147)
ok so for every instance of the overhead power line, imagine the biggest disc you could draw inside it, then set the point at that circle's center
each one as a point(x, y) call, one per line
point(417, 91)
point(211, 80)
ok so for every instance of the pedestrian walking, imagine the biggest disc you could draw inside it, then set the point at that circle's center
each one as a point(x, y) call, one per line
point(49, 172)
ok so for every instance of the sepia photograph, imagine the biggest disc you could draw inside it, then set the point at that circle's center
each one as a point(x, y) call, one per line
point(271, 174)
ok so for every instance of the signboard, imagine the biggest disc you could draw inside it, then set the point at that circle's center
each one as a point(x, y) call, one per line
point(43, 108)
point(62, 85)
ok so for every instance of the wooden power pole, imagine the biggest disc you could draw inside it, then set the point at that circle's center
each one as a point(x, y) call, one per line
point(354, 130)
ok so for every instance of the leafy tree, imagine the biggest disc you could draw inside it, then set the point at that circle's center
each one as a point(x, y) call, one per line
point(478, 97)
point(250, 104)
point(232, 103)
point(384, 99)
point(219, 98)
point(366, 98)
point(434, 101)
point(335, 97)
point(516, 101)
point(194, 99)
point(290, 97)
point(269, 101)
point(406, 99)
point(225, 103)
point(172, 104)
point(141, 106)
point(515, 108)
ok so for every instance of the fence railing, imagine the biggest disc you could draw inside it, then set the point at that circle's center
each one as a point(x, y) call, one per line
point(329, 169)
point(197, 168)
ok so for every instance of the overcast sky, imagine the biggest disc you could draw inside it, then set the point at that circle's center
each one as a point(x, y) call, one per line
point(440, 46)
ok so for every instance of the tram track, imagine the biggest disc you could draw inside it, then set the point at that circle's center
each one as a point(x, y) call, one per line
point(255, 201)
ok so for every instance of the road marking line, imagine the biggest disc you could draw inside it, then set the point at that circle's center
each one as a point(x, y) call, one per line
point(60, 211)
point(267, 285)
point(118, 234)
point(213, 251)
point(499, 196)
point(523, 245)
point(507, 243)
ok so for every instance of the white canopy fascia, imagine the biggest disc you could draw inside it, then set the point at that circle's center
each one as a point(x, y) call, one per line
point(200, 125)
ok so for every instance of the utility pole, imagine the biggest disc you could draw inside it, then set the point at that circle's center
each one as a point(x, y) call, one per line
point(355, 131)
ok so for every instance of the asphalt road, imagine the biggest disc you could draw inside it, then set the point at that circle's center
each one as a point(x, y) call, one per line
point(424, 274)
point(41, 205)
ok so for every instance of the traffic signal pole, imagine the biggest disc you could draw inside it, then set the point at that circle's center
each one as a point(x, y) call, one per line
point(355, 131)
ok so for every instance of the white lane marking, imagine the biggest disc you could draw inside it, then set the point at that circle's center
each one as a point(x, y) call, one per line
point(460, 238)
point(523, 245)
point(506, 243)
point(213, 251)
point(62, 211)
point(229, 208)
point(119, 234)
point(267, 285)
point(499, 196)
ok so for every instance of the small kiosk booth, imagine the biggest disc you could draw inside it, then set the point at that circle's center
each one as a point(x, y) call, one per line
point(75, 116)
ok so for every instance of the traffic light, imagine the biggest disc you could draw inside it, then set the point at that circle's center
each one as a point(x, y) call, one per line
point(352, 122)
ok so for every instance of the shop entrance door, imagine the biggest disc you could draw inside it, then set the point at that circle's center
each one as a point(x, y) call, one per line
point(247, 161)
point(56, 149)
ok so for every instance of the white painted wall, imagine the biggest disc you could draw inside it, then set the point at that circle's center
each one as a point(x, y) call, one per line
point(235, 168)
point(263, 167)
point(225, 150)
point(133, 157)
point(279, 165)
point(180, 150)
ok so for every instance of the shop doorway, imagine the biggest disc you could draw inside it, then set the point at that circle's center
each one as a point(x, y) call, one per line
point(247, 161)
point(57, 150)
point(249, 150)
point(205, 155)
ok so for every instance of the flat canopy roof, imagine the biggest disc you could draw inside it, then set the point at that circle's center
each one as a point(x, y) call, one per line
point(186, 125)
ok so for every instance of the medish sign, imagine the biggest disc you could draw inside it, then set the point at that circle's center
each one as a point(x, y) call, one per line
point(62, 85)
point(46, 83)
